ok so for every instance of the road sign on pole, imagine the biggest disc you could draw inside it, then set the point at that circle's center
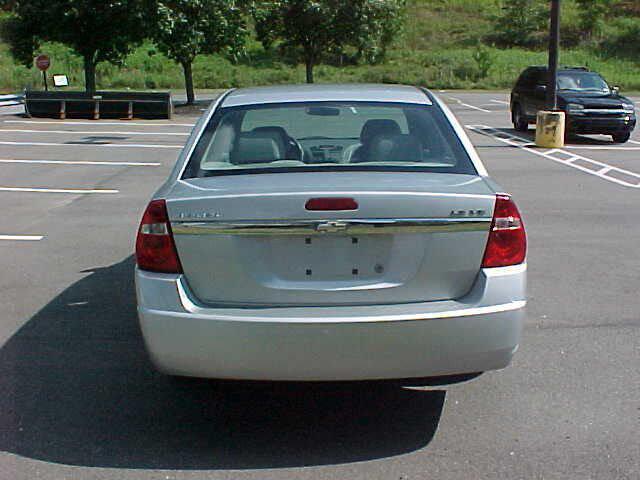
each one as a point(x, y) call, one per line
point(43, 62)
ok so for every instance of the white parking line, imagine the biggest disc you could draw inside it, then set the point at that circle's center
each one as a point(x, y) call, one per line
point(28, 238)
point(500, 101)
point(93, 132)
point(600, 147)
point(460, 102)
point(633, 141)
point(57, 190)
point(123, 123)
point(602, 170)
point(88, 144)
point(82, 162)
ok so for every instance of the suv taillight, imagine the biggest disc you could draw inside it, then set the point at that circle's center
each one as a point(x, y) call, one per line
point(155, 249)
point(507, 244)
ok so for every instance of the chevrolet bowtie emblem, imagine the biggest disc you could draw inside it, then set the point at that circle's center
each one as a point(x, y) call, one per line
point(331, 227)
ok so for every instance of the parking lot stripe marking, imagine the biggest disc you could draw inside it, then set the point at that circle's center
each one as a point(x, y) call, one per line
point(57, 190)
point(602, 172)
point(633, 141)
point(82, 162)
point(28, 238)
point(500, 101)
point(460, 102)
point(123, 123)
point(600, 147)
point(88, 144)
point(93, 132)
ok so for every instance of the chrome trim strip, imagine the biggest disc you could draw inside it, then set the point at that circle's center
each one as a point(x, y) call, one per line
point(332, 226)
point(608, 111)
point(193, 310)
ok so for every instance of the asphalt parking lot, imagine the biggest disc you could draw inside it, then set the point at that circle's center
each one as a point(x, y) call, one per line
point(81, 401)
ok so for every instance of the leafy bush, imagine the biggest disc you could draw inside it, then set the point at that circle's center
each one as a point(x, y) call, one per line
point(519, 24)
point(484, 61)
point(622, 39)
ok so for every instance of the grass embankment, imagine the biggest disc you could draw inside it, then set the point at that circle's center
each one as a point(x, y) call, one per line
point(441, 49)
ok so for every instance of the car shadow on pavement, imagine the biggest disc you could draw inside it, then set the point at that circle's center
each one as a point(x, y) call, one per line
point(77, 388)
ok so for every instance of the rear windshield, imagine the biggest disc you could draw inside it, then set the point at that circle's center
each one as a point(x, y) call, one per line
point(323, 136)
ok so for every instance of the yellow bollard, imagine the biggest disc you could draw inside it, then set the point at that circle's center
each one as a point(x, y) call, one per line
point(550, 128)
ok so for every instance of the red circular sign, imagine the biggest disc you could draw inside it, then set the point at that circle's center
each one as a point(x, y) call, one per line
point(43, 62)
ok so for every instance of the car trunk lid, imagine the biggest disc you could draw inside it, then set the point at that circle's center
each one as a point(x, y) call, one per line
point(251, 240)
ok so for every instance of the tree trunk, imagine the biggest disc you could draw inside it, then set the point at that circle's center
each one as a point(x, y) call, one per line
point(89, 74)
point(309, 67)
point(188, 82)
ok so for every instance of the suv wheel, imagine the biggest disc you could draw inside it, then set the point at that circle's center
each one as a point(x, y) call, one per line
point(520, 123)
point(621, 137)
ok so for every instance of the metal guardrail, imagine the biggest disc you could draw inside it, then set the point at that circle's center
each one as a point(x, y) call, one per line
point(123, 105)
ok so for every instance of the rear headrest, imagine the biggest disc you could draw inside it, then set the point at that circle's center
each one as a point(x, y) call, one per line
point(395, 148)
point(378, 126)
point(255, 150)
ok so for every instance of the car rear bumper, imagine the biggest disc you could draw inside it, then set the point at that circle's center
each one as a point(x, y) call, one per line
point(478, 332)
point(595, 125)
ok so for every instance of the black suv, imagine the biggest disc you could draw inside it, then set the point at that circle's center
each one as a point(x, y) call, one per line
point(591, 105)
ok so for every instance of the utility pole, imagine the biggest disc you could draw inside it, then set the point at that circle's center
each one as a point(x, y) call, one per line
point(551, 123)
point(554, 47)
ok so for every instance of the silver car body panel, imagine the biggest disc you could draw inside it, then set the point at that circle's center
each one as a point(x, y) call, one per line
point(273, 291)
point(478, 332)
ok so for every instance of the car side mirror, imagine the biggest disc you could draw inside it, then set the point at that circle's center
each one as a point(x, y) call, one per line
point(615, 90)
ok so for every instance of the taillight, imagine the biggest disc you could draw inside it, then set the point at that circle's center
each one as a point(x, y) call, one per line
point(507, 244)
point(155, 249)
point(331, 203)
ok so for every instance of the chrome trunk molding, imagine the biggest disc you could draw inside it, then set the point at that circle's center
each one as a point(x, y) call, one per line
point(333, 226)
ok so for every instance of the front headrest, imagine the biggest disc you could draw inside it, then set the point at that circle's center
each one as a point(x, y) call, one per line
point(255, 150)
point(378, 126)
point(270, 131)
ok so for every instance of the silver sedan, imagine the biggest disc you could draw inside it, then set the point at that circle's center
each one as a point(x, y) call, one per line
point(330, 232)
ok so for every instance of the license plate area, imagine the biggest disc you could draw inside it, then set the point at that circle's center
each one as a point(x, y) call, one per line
point(331, 257)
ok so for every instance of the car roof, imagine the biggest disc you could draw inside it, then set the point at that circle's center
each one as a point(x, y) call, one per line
point(354, 92)
point(560, 69)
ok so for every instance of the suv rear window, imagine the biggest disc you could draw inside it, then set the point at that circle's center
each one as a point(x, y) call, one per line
point(322, 136)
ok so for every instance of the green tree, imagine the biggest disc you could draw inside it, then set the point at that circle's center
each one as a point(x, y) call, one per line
point(591, 14)
point(97, 30)
point(187, 28)
point(518, 23)
point(311, 30)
